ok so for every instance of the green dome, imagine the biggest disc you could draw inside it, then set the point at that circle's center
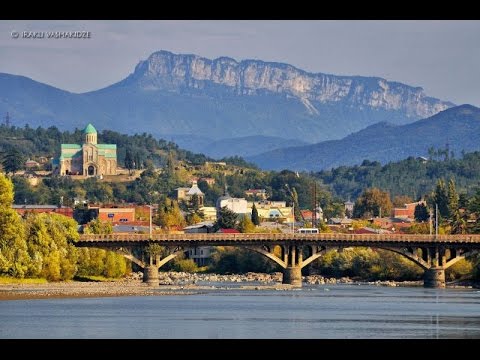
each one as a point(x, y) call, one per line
point(90, 129)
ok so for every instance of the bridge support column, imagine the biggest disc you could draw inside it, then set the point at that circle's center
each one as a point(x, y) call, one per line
point(150, 271)
point(434, 278)
point(150, 275)
point(292, 276)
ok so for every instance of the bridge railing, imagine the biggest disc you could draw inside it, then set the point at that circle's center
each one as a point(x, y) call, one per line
point(334, 237)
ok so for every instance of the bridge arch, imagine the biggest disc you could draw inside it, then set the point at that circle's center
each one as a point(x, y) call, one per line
point(268, 251)
point(409, 254)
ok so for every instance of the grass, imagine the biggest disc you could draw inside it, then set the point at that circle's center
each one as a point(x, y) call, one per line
point(10, 280)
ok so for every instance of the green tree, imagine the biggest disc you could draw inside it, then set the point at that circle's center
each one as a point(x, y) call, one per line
point(13, 161)
point(194, 214)
point(169, 215)
point(246, 225)
point(99, 262)
point(255, 218)
point(371, 202)
point(14, 258)
point(6, 192)
point(421, 213)
point(129, 161)
point(227, 219)
point(458, 223)
point(98, 226)
point(50, 245)
point(474, 209)
point(440, 198)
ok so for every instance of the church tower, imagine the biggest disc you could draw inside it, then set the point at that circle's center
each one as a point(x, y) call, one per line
point(90, 135)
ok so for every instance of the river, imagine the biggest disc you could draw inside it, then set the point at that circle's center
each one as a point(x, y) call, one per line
point(313, 312)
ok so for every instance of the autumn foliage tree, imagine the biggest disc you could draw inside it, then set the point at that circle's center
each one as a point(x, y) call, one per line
point(372, 202)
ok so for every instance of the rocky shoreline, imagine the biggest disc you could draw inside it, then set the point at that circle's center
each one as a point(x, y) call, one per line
point(176, 283)
point(171, 283)
point(181, 278)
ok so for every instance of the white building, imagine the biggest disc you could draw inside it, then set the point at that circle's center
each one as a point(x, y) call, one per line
point(237, 205)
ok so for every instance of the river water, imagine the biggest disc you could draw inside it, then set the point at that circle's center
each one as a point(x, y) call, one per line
point(313, 312)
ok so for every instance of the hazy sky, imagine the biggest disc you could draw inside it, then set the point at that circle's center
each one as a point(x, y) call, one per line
point(443, 57)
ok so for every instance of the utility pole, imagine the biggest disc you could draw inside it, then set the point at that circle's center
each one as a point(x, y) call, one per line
point(430, 222)
point(150, 227)
point(314, 212)
point(293, 222)
point(436, 220)
point(7, 120)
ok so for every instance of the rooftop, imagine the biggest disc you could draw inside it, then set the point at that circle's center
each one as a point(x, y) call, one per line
point(90, 129)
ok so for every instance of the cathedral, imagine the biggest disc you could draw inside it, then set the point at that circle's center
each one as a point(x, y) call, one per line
point(88, 159)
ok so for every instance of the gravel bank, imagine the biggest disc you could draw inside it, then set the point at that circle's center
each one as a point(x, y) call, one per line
point(171, 283)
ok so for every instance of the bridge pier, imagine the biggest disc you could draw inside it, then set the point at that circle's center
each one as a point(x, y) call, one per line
point(292, 276)
point(150, 271)
point(434, 278)
point(150, 275)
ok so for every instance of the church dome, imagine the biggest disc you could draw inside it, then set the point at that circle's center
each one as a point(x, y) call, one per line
point(90, 129)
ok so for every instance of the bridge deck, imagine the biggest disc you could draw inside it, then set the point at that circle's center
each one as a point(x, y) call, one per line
point(259, 238)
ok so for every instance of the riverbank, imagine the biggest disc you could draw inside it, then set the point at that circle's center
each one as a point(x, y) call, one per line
point(175, 283)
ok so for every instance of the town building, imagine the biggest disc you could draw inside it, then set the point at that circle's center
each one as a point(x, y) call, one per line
point(88, 159)
point(407, 211)
point(260, 194)
point(237, 205)
point(186, 194)
point(276, 211)
point(349, 207)
point(117, 215)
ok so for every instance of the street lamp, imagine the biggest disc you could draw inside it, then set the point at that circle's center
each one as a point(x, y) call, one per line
point(293, 222)
point(150, 224)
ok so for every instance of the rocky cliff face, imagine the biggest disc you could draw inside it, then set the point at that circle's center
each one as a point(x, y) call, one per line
point(175, 72)
point(203, 102)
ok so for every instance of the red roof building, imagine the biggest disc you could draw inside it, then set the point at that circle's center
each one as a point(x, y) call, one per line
point(228, 231)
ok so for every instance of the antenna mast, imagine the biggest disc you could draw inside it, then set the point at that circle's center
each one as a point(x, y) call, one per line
point(7, 119)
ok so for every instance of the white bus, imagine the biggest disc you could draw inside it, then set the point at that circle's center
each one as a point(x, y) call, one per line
point(307, 231)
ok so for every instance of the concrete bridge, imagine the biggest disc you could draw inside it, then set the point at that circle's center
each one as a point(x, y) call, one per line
point(433, 253)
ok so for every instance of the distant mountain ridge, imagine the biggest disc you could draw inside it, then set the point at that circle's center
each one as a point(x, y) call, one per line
point(176, 94)
point(384, 142)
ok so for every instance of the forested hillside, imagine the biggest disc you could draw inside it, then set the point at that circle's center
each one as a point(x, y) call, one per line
point(414, 177)
point(32, 143)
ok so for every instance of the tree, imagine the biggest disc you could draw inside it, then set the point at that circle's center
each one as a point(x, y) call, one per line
point(14, 258)
point(13, 161)
point(169, 215)
point(458, 223)
point(226, 219)
point(255, 218)
point(98, 226)
point(421, 213)
point(440, 198)
point(6, 192)
point(246, 225)
point(371, 202)
point(50, 245)
point(452, 199)
point(129, 161)
point(401, 200)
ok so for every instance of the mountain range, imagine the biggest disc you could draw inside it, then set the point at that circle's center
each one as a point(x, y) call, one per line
point(459, 127)
point(222, 106)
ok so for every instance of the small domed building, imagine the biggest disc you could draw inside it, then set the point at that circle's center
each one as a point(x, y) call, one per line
point(88, 159)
